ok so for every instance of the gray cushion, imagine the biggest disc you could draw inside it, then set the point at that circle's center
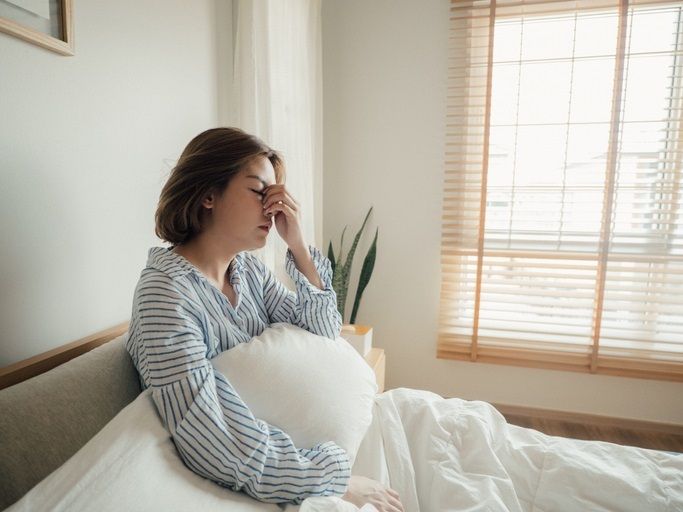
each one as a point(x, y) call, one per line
point(46, 419)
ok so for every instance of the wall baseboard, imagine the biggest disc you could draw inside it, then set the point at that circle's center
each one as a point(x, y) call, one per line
point(590, 419)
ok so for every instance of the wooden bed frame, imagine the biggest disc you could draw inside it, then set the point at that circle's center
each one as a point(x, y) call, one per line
point(23, 370)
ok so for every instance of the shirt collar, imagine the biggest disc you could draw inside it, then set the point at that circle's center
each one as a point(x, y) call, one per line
point(235, 268)
point(175, 266)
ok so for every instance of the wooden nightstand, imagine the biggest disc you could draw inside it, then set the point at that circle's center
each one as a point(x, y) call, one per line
point(377, 361)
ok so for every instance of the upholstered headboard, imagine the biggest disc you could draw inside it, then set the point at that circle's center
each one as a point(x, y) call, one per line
point(47, 418)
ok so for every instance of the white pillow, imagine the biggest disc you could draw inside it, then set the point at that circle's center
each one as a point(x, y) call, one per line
point(313, 388)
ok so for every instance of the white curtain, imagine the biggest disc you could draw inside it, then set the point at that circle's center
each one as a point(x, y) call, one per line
point(278, 95)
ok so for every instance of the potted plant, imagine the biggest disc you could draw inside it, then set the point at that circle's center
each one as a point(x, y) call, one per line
point(358, 335)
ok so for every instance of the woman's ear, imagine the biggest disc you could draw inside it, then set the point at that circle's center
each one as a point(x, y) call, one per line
point(207, 202)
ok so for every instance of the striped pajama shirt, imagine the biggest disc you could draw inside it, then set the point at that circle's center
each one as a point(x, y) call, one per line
point(180, 321)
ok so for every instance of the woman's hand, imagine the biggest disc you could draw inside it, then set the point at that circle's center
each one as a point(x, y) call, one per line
point(279, 203)
point(363, 490)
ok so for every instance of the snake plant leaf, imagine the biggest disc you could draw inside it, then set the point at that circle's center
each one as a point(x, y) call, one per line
point(330, 256)
point(352, 250)
point(341, 247)
point(365, 274)
point(339, 277)
point(341, 267)
point(345, 273)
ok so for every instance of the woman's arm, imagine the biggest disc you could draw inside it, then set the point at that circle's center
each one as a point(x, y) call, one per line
point(304, 263)
point(214, 431)
point(312, 308)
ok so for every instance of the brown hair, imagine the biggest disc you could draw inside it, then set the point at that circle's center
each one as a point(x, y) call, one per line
point(207, 164)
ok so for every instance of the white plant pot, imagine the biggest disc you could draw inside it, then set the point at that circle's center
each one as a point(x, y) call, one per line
point(359, 336)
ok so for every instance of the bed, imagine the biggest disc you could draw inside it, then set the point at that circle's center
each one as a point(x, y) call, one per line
point(83, 437)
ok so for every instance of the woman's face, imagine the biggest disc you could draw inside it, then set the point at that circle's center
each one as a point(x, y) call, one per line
point(237, 215)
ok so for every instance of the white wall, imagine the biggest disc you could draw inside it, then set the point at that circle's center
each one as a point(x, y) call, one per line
point(384, 100)
point(83, 141)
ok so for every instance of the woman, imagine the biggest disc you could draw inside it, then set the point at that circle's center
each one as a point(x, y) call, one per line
point(205, 295)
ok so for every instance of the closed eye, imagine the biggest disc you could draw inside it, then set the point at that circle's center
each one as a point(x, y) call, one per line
point(259, 192)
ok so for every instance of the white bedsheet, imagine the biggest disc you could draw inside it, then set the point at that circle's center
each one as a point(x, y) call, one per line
point(438, 454)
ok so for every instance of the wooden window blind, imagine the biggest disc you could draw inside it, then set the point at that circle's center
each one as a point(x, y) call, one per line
point(562, 231)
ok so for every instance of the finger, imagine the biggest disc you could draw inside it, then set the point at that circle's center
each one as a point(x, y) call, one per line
point(280, 199)
point(395, 503)
point(280, 193)
point(280, 202)
point(393, 493)
point(275, 208)
point(271, 190)
point(291, 199)
point(281, 208)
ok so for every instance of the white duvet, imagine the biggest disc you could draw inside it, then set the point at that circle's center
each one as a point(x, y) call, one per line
point(438, 454)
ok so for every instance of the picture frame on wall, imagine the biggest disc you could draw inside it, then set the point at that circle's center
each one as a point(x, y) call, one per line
point(46, 23)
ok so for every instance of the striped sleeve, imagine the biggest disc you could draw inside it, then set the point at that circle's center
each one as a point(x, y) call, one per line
point(215, 433)
point(310, 307)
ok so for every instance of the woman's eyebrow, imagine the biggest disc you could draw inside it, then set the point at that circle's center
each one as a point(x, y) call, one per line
point(265, 185)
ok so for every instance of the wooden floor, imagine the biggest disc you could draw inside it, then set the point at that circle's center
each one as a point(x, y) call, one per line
point(642, 438)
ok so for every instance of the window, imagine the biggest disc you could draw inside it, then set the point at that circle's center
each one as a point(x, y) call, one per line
point(562, 237)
